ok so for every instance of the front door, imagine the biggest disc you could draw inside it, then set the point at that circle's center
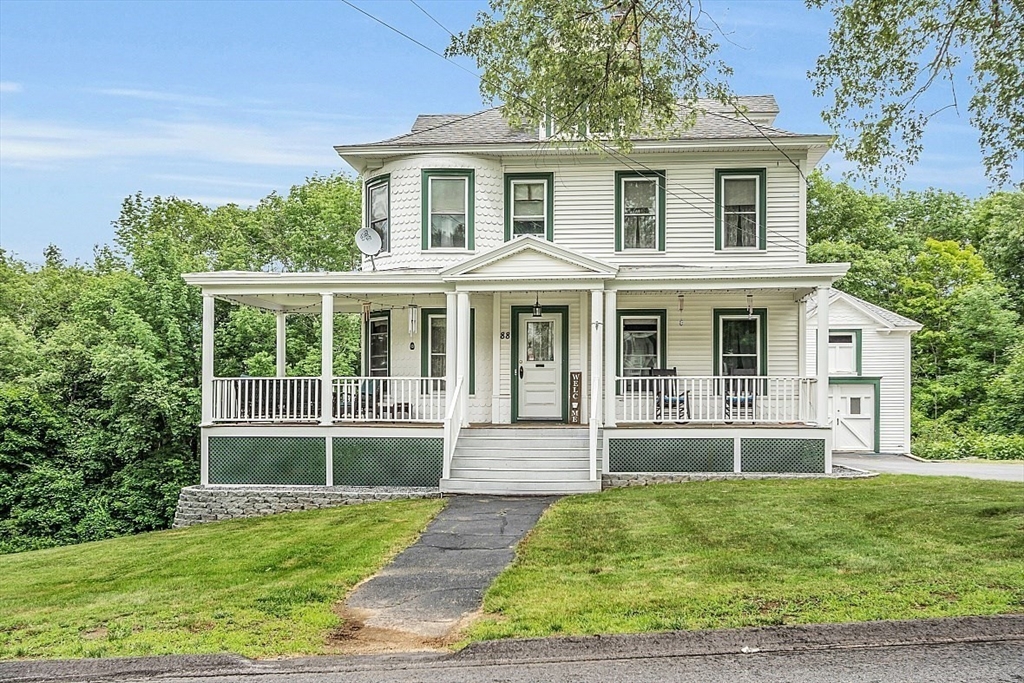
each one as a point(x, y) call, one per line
point(852, 407)
point(538, 369)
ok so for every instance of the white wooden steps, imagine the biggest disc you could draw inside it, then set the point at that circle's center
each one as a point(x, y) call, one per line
point(521, 461)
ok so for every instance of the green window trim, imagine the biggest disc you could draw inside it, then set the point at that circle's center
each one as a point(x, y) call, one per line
point(662, 316)
point(549, 181)
point(875, 382)
point(762, 202)
point(619, 177)
point(376, 315)
point(426, 313)
point(858, 345)
point(516, 312)
point(369, 185)
point(428, 173)
point(759, 313)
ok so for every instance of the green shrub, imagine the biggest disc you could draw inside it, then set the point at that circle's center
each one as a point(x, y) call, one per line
point(985, 446)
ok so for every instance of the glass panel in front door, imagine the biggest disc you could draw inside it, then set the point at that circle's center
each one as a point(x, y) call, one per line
point(540, 341)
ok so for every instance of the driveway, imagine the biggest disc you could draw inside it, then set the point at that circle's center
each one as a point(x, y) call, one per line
point(898, 464)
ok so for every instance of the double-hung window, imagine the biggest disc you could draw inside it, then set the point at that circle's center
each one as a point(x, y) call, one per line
point(844, 352)
point(641, 342)
point(740, 206)
point(528, 205)
point(378, 209)
point(378, 333)
point(640, 210)
point(740, 342)
point(448, 209)
point(434, 345)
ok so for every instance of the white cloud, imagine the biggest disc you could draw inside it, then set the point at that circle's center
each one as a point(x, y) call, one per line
point(10, 86)
point(46, 144)
point(156, 96)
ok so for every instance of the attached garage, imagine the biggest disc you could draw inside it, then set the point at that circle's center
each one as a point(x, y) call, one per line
point(869, 374)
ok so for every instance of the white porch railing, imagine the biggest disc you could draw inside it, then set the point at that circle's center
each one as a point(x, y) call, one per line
point(452, 428)
point(757, 400)
point(266, 399)
point(389, 399)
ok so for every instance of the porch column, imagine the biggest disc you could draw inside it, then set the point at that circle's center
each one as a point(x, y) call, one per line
point(326, 358)
point(206, 387)
point(610, 360)
point(496, 358)
point(450, 344)
point(596, 358)
point(821, 356)
point(281, 343)
point(462, 354)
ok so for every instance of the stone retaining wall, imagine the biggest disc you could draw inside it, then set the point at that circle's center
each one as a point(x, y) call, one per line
point(199, 504)
point(623, 479)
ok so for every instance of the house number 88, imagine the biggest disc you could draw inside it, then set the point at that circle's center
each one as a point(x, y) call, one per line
point(506, 335)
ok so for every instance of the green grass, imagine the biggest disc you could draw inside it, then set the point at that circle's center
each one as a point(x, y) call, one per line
point(258, 587)
point(747, 553)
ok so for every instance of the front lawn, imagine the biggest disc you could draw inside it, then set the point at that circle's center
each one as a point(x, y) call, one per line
point(749, 553)
point(258, 587)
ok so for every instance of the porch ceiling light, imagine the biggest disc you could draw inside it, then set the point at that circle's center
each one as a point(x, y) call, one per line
point(414, 319)
point(537, 311)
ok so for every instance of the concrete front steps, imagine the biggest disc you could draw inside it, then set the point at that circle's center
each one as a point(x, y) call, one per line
point(521, 461)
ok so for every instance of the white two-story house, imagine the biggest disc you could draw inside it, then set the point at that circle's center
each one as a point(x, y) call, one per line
point(539, 314)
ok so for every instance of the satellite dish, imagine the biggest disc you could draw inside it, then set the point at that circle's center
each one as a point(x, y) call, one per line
point(368, 241)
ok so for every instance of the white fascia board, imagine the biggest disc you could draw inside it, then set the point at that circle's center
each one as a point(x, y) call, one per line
point(542, 148)
point(792, 277)
point(520, 284)
point(380, 282)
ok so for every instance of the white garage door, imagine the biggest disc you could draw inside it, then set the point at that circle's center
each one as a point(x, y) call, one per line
point(852, 407)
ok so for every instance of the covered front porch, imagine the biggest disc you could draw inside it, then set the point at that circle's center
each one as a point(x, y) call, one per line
point(514, 339)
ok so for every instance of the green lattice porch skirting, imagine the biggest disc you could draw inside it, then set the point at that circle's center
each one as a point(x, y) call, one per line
point(715, 454)
point(303, 461)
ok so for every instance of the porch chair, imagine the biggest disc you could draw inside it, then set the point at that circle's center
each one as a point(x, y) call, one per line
point(667, 397)
point(362, 403)
point(740, 394)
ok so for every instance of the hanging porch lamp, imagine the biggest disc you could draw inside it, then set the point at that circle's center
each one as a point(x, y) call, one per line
point(750, 306)
point(537, 311)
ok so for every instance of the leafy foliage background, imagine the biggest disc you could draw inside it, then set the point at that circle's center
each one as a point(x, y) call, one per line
point(100, 362)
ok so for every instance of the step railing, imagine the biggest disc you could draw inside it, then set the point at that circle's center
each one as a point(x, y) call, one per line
point(452, 428)
point(265, 399)
point(753, 400)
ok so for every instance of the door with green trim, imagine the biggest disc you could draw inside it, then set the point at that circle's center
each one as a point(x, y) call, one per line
point(539, 367)
point(852, 407)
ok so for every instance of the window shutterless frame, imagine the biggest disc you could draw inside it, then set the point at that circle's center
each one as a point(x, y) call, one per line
point(426, 175)
point(426, 349)
point(511, 180)
point(759, 175)
point(624, 315)
point(378, 195)
point(760, 316)
point(379, 327)
point(621, 177)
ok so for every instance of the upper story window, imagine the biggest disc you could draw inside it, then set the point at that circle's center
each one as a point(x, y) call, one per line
point(640, 210)
point(844, 352)
point(378, 208)
point(740, 208)
point(448, 208)
point(528, 205)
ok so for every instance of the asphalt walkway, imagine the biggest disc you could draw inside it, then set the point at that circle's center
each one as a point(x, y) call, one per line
point(435, 582)
point(898, 464)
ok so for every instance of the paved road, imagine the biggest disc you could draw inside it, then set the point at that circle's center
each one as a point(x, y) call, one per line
point(440, 578)
point(897, 464)
point(966, 649)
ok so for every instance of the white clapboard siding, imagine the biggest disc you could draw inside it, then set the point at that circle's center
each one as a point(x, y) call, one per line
point(885, 355)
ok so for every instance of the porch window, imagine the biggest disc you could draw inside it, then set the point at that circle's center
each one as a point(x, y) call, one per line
point(379, 341)
point(844, 352)
point(378, 209)
point(434, 345)
point(528, 205)
point(448, 209)
point(740, 207)
point(640, 210)
point(740, 342)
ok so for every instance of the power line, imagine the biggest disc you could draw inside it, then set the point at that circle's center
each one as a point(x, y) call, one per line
point(610, 150)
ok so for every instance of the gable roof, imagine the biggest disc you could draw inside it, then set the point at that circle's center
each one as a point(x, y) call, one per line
point(715, 121)
point(881, 315)
point(529, 258)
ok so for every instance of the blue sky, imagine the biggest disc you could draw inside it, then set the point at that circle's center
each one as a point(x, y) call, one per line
point(228, 101)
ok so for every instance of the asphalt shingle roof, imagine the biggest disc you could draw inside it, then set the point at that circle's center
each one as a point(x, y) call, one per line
point(488, 127)
point(884, 313)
